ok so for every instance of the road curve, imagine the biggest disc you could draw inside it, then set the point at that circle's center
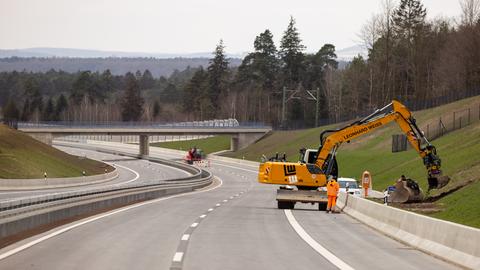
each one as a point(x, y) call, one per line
point(130, 170)
point(233, 226)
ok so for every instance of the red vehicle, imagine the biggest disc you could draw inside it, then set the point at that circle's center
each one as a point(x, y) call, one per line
point(194, 154)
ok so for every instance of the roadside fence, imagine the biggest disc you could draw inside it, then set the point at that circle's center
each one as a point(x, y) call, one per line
point(444, 124)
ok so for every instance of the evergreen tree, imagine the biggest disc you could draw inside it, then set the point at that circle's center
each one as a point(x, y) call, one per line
point(407, 19)
point(408, 24)
point(147, 81)
point(132, 102)
point(315, 65)
point(138, 75)
point(171, 94)
point(262, 65)
point(80, 87)
point(36, 101)
point(60, 106)
point(218, 75)
point(156, 109)
point(26, 110)
point(49, 112)
point(291, 54)
point(266, 61)
point(194, 91)
point(107, 81)
point(33, 99)
point(10, 112)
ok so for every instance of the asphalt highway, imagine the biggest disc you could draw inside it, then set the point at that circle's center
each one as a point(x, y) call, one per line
point(233, 224)
point(130, 170)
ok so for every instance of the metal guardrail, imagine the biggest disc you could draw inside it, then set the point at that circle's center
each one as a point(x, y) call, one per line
point(15, 206)
point(221, 124)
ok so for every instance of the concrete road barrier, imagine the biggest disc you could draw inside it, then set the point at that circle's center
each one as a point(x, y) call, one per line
point(18, 216)
point(12, 226)
point(450, 241)
point(42, 183)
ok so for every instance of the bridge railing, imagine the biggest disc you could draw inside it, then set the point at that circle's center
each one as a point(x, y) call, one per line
point(222, 123)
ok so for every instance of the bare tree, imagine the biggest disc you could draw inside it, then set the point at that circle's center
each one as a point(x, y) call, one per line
point(470, 11)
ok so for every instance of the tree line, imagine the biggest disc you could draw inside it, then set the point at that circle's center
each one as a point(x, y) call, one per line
point(410, 58)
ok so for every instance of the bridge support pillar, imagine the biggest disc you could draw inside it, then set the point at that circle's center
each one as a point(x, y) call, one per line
point(144, 147)
point(242, 140)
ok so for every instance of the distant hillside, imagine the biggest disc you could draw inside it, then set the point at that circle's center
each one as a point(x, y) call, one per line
point(82, 53)
point(118, 66)
point(347, 54)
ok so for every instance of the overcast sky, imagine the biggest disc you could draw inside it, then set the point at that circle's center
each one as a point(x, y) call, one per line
point(184, 26)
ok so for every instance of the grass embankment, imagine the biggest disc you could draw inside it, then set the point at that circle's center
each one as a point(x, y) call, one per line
point(24, 157)
point(208, 145)
point(459, 150)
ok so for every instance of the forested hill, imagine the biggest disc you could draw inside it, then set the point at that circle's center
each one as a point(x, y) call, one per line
point(116, 65)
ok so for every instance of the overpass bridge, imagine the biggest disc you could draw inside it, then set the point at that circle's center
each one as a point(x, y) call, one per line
point(241, 135)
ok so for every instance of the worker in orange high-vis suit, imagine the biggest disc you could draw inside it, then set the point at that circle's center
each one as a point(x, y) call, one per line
point(332, 193)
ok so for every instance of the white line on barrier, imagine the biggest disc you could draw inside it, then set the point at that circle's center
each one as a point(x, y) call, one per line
point(314, 244)
point(89, 220)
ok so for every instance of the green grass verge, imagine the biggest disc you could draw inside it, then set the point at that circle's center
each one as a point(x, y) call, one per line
point(462, 206)
point(459, 151)
point(24, 157)
point(208, 145)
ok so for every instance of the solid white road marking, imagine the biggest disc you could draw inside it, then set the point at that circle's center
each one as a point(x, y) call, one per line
point(194, 225)
point(89, 220)
point(203, 216)
point(185, 237)
point(131, 180)
point(314, 244)
point(178, 257)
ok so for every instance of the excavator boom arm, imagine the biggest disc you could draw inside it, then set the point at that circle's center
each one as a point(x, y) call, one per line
point(394, 111)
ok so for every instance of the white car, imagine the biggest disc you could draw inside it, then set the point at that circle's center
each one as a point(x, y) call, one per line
point(353, 187)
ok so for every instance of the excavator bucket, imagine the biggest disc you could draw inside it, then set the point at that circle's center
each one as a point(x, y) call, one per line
point(406, 190)
point(438, 182)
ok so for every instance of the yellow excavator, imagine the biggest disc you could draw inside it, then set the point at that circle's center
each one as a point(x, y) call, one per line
point(315, 167)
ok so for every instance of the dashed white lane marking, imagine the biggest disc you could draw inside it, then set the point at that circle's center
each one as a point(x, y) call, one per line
point(195, 224)
point(217, 205)
point(89, 220)
point(231, 198)
point(178, 256)
point(203, 216)
point(185, 237)
point(314, 244)
point(225, 200)
point(210, 210)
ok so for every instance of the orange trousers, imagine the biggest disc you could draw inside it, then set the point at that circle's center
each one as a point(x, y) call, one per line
point(331, 202)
